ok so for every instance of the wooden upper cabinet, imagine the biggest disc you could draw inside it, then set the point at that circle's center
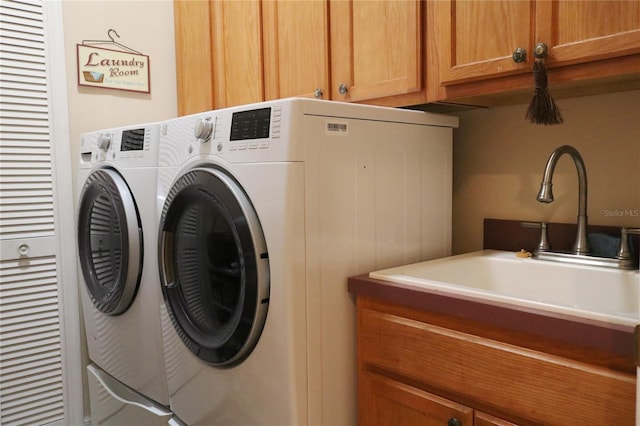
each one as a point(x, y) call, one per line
point(474, 41)
point(218, 54)
point(580, 31)
point(238, 52)
point(236, 41)
point(376, 49)
point(478, 38)
point(296, 48)
point(193, 61)
point(355, 51)
point(397, 53)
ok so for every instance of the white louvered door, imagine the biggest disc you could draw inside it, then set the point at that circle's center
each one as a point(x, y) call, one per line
point(39, 349)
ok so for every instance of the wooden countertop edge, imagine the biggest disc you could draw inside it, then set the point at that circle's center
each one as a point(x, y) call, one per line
point(612, 338)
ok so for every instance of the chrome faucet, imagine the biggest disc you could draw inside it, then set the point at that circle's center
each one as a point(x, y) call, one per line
point(581, 245)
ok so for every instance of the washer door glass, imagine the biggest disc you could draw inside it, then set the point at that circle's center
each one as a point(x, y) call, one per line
point(110, 243)
point(214, 266)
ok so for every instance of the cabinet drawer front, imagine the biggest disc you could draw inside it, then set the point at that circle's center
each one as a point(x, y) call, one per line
point(529, 384)
point(384, 401)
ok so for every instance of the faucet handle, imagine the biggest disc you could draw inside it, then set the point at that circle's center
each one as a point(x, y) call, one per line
point(543, 244)
point(624, 252)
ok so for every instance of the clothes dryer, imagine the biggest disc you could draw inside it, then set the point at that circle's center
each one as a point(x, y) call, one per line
point(264, 211)
point(117, 240)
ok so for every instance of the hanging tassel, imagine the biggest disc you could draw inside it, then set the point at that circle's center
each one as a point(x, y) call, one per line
point(542, 109)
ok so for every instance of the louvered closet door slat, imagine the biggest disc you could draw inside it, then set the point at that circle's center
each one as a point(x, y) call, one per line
point(43, 415)
point(18, 96)
point(30, 9)
point(22, 26)
point(28, 57)
point(15, 150)
point(33, 172)
point(22, 112)
point(21, 46)
point(33, 210)
point(34, 362)
point(22, 96)
point(24, 184)
point(9, 75)
point(24, 204)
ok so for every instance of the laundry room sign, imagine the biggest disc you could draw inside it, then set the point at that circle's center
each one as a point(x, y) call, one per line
point(117, 67)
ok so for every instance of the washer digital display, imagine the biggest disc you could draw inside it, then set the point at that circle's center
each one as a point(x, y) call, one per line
point(252, 124)
point(132, 140)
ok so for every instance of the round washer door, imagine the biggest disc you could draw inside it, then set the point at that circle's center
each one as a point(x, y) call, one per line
point(214, 266)
point(110, 243)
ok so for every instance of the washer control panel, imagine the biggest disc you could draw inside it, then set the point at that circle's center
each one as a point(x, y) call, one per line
point(136, 145)
point(253, 129)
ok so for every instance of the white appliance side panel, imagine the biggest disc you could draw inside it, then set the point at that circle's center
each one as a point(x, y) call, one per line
point(378, 194)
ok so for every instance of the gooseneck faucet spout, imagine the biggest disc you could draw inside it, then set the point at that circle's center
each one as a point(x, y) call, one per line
point(581, 245)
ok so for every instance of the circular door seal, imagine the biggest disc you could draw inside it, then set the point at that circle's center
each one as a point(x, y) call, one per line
point(214, 267)
point(110, 243)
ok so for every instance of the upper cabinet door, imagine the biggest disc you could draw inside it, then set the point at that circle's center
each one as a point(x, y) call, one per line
point(193, 56)
point(376, 49)
point(236, 40)
point(582, 31)
point(477, 39)
point(296, 49)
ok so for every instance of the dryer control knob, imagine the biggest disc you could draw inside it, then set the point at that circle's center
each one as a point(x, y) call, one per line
point(203, 129)
point(104, 143)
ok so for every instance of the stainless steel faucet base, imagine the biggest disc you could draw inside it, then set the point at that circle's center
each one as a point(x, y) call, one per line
point(588, 260)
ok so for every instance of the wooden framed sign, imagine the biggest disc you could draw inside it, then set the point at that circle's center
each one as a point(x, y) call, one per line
point(112, 69)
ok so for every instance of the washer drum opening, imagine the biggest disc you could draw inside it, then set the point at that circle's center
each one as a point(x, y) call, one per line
point(214, 267)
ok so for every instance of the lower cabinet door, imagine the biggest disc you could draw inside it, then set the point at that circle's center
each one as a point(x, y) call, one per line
point(384, 401)
point(114, 404)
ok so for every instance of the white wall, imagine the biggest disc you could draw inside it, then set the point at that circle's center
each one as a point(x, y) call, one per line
point(143, 25)
point(499, 158)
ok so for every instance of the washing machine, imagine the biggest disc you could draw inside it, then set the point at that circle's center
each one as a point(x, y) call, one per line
point(264, 211)
point(119, 285)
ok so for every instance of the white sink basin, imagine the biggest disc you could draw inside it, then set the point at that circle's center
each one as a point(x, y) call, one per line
point(588, 292)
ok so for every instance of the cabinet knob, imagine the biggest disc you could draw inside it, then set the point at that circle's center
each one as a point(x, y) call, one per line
point(540, 51)
point(203, 129)
point(454, 422)
point(343, 89)
point(23, 250)
point(519, 55)
point(317, 93)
